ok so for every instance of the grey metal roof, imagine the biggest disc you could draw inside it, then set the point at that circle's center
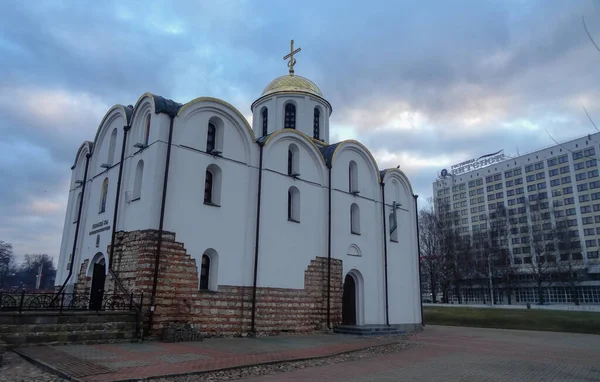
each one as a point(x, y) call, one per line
point(327, 153)
point(165, 105)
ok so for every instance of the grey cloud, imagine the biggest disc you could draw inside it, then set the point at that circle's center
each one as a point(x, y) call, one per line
point(444, 60)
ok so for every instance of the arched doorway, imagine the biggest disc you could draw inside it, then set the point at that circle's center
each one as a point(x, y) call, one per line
point(98, 279)
point(349, 301)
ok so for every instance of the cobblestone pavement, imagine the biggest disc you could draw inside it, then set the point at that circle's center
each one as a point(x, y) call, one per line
point(469, 354)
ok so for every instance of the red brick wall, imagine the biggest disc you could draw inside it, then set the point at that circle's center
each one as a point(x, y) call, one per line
point(84, 283)
point(228, 311)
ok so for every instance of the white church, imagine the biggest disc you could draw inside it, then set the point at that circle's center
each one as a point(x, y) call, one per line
point(269, 228)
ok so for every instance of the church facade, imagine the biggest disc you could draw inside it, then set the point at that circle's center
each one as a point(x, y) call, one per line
point(238, 229)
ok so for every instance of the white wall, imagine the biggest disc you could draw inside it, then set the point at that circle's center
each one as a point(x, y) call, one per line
point(403, 265)
point(305, 106)
point(286, 245)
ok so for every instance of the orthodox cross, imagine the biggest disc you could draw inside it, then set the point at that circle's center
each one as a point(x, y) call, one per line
point(292, 61)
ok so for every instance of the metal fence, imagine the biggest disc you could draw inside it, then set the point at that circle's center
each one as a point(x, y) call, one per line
point(31, 301)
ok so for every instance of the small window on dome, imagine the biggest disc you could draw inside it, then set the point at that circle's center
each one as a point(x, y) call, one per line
point(316, 119)
point(290, 116)
point(265, 121)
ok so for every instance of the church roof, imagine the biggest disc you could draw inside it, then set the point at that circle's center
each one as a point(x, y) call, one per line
point(292, 83)
point(165, 105)
point(328, 152)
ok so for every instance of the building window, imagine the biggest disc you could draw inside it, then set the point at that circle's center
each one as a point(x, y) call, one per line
point(293, 160)
point(212, 185)
point(265, 121)
point(211, 137)
point(137, 184)
point(316, 120)
point(352, 176)
point(204, 272)
point(393, 228)
point(147, 130)
point(354, 219)
point(293, 207)
point(111, 147)
point(78, 203)
point(290, 116)
point(103, 195)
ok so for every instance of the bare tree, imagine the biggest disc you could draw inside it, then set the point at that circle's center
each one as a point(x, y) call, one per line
point(570, 263)
point(30, 267)
point(431, 260)
point(6, 260)
point(542, 236)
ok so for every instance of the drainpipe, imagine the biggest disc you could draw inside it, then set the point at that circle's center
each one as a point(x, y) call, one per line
point(329, 254)
point(257, 241)
point(87, 162)
point(387, 308)
point(419, 257)
point(160, 226)
point(114, 228)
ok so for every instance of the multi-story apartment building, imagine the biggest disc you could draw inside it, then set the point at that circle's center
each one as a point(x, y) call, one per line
point(563, 180)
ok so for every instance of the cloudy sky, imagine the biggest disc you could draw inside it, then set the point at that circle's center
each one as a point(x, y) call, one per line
point(424, 84)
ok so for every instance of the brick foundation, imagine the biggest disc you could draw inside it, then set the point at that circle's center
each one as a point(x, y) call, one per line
point(84, 283)
point(228, 311)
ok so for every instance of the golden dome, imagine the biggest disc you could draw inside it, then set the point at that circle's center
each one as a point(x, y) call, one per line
point(292, 83)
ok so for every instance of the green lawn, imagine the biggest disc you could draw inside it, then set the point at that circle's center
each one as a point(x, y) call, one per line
point(527, 319)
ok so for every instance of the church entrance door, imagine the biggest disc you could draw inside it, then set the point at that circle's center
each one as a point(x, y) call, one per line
point(97, 292)
point(349, 301)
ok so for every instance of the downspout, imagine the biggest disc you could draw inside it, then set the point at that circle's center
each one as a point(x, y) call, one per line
point(419, 258)
point(114, 228)
point(257, 241)
point(160, 226)
point(387, 307)
point(329, 253)
point(87, 162)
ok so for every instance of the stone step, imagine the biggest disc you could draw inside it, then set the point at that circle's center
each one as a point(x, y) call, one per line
point(78, 336)
point(368, 330)
point(36, 328)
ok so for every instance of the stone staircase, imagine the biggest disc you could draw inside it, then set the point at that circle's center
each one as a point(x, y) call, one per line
point(54, 328)
point(368, 330)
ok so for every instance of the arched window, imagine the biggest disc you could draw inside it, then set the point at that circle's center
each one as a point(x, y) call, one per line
point(147, 130)
point(352, 177)
point(290, 116)
point(208, 270)
point(208, 187)
point(293, 160)
point(111, 148)
point(137, 183)
point(265, 121)
point(204, 272)
point(103, 195)
point(211, 137)
point(212, 185)
point(293, 207)
point(354, 219)
point(316, 120)
point(77, 204)
point(393, 228)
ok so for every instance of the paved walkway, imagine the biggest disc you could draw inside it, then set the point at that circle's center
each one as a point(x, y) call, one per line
point(437, 354)
point(132, 361)
point(470, 354)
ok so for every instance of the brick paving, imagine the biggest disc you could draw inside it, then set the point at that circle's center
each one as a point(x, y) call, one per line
point(133, 361)
point(437, 354)
point(469, 354)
